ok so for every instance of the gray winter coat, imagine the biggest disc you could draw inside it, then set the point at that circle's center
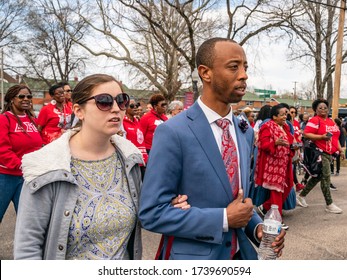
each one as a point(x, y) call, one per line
point(49, 196)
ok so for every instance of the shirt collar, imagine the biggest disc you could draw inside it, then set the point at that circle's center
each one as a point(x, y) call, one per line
point(211, 115)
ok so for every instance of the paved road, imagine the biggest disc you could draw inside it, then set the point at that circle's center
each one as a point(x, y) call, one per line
point(313, 233)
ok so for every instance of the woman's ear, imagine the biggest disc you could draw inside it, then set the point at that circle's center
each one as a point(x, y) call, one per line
point(78, 111)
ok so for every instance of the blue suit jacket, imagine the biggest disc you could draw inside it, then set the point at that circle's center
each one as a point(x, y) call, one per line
point(185, 159)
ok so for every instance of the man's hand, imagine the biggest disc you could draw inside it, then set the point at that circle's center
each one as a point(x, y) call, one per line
point(240, 211)
point(278, 244)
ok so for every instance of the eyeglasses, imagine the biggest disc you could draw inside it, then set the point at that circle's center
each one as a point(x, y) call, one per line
point(163, 105)
point(292, 112)
point(22, 96)
point(59, 93)
point(105, 101)
point(132, 106)
point(68, 90)
point(323, 108)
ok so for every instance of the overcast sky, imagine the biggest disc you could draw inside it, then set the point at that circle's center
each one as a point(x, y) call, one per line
point(273, 71)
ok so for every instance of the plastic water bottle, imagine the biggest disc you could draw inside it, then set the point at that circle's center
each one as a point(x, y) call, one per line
point(271, 228)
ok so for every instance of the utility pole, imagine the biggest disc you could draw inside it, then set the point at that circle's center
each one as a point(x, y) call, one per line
point(295, 96)
point(2, 80)
point(337, 81)
point(295, 90)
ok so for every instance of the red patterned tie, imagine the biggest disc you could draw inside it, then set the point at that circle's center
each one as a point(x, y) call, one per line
point(229, 156)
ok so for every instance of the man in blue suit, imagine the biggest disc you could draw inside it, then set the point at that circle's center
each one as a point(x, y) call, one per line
point(186, 159)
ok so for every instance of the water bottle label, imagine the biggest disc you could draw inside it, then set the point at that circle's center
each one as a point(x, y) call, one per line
point(272, 226)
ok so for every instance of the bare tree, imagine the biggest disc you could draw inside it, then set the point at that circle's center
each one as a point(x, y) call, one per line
point(249, 19)
point(48, 49)
point(11, 12)
point(156, 39)
point(313, 38)
point(149, 37)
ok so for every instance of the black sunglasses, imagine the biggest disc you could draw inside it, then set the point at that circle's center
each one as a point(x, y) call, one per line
point(22, 96)
point(132, 106)
point(68, 90)
point(105, 101)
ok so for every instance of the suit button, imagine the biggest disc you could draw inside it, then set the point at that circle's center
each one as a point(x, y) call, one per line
point(61, 247)
point(67, 213)
point(227, 244)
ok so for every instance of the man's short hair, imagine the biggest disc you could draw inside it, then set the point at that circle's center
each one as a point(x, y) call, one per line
point(205, 55)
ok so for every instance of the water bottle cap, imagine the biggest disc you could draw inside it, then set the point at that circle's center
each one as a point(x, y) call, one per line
point(274, 206)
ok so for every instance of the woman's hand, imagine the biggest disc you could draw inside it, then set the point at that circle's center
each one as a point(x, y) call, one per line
point(326, 137)
point(281, 142)
point(180, 202)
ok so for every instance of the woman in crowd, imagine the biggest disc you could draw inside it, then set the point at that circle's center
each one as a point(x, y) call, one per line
point(342, 140)
point(153, 118)
point(325, 134)
point(248, 115)
point(274, 161)
point(55, 117)
point(18, 136)
point(133, 131)
point(67, 93)
point(175, 107)
point(293, 112)
point(263, 114)
point(80, 197)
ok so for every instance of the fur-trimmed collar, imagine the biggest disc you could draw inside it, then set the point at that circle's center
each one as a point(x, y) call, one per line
point(57, 155)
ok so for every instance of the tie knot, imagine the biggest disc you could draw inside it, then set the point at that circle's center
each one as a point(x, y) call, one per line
point(223, 123)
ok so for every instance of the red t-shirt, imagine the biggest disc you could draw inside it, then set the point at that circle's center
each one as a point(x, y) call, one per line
point(297, 131)
point(149, 123)
point(14, 142)
point(320, 126)
point(135, 135)
point(53, 121)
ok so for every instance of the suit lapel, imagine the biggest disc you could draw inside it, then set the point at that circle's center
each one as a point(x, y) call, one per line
point(202, 130)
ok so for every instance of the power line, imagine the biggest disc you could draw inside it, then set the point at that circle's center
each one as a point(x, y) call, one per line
point(324, 4)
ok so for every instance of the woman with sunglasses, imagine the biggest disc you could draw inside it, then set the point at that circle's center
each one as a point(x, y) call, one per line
point(153, 118)
point(18, 136)
point(55, 117)
point(324, 133)
point(134, 132)
point(67, 93)
point(80, 196)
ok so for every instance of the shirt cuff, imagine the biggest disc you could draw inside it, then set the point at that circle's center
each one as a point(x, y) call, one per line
point(225, 221)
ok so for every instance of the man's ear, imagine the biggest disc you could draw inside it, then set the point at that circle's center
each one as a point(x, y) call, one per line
point(204, 73)
point(78, 111)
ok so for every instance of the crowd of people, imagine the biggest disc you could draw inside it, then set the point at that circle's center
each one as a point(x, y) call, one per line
point(93, 167)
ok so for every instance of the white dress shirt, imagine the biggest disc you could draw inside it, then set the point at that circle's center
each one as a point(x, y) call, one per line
point(212, 117)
